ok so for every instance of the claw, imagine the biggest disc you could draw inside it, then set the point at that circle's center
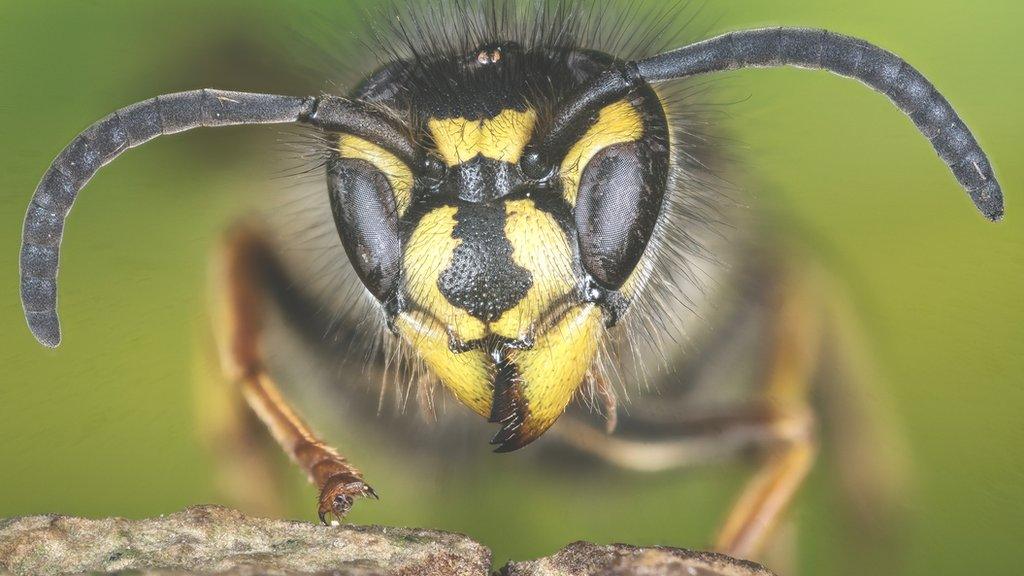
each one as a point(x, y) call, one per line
point(338, 494)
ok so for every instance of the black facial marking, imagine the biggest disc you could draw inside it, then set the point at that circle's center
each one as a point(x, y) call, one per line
point(508, 407)
point(481, 179)
point(482, 278)
point(489, 343)
point(482, 82)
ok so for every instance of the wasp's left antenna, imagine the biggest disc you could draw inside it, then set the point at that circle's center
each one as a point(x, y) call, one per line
point(139, 123)
point(879, 69)
point(771, 47)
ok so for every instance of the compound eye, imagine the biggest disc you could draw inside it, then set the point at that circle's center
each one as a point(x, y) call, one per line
point(616, 211)
point(366, 215)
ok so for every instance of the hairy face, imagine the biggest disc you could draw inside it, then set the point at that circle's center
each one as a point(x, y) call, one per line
point(504, 284)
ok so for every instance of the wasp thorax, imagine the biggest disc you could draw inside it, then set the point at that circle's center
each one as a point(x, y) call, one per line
point(489, 273)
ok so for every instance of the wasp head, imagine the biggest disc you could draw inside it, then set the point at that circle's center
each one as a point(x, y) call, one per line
point(502, 278)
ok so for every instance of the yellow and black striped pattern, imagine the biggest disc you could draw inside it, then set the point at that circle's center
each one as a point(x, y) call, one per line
point(618, 123)
point(397, 172)
point(565, 332)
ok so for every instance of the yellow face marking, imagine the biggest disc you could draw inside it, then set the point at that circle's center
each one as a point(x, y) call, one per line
point(428, 252)
point(566, 334)
point(468, 374)
point(540, 246)
point(398, 174)
point(501, 138)
point(616, 124)
point(554, 369)
point(564, 349)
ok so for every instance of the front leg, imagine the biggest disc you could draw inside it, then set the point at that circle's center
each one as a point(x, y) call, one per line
point(248, 268)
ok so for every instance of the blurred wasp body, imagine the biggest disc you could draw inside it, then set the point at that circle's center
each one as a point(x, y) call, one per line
point(512, 198)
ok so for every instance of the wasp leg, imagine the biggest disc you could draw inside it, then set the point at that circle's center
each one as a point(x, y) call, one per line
point(250, 266)
point(767, 496)
point(776, 423)
point(710, 438)
point(234, 436)
point(792, 363)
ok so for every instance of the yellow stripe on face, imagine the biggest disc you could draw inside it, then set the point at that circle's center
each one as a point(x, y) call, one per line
point(428, 252)
point(398, 174)
point(540, 246)
point(564, 346)
point(468, 374)
point(501, 138)
point(554, 369)
point(617, 123)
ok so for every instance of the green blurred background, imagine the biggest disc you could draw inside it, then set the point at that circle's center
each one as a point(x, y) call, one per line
point(106, 424)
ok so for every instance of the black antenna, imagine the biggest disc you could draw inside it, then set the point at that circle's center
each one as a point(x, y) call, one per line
point(139, 123)
point(805, 48)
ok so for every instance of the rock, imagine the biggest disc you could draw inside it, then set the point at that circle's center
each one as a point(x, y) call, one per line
point(216, 540)
point(586, 559)
point(211, 539)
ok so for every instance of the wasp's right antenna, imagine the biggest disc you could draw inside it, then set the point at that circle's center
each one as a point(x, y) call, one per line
point(169, 114)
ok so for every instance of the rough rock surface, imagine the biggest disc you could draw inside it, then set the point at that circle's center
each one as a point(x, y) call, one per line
point(210, 539)
point(586, 559)
point(215, 540)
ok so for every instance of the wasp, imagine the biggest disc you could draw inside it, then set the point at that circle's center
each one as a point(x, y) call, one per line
point(515, 205)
